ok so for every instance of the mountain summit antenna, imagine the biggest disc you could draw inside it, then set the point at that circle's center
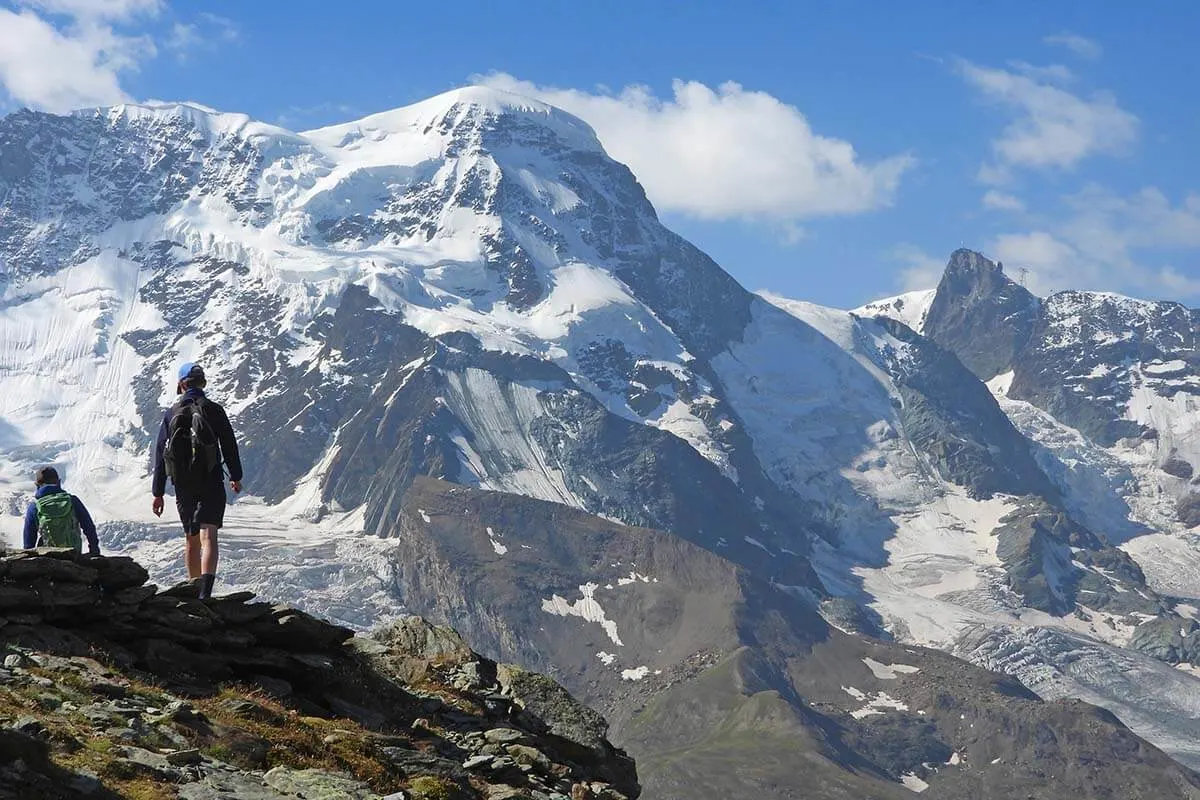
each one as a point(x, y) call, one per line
point(1022, 275)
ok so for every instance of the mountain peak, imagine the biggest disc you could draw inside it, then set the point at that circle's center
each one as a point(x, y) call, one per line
point(970, 273)
point(974, 300)
point(972, 263)
point(487, 98)
point(200, 117)
point(467, 107)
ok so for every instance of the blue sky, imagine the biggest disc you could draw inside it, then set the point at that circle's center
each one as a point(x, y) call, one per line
point(832, 151)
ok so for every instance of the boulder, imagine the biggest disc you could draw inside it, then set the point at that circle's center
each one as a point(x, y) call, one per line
point(1188, 510)
point(119, 572)
point(1178, 468)
point(547, 706)
point(293, 630)
point(1173, 640)
point(18, 596)
point(54, 569)
point(315, 784)
point(407, 648)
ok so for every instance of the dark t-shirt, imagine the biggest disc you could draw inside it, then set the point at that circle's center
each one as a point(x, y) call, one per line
point(218, 420)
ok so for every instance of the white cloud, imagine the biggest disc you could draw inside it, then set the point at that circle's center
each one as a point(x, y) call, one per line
point(919, 269)
point(1113, 242)
point(726, 153)
point(208, 32)
point(790, 234)
point(1051, 264)
point(1051, 73)
point(1053, 127)
point(97, 9)
point(1002, 201)
point(59, 55)
point(55, 70)
point(184, 36)
point(1079, 45)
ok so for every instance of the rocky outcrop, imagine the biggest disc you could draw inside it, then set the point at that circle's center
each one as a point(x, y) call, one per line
point(111, 687)
point(954, 420)
point(1055, 565)
point(1188, 509)
point(981, 315)
point(720, 683)
point(1077, 355)
point(1178, 467)
point(1176, 641)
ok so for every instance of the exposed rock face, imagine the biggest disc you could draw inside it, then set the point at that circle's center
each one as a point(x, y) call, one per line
point(1039, 546)
point(1078, 355)
point(1171, 640)
point(980, 314)
point(122, 684)
point(1113, 346)
point(1178, 467)
point(955, 421)
point(1188, 509)
point(732, 678)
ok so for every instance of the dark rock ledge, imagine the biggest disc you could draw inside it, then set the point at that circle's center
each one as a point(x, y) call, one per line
point(110, 687)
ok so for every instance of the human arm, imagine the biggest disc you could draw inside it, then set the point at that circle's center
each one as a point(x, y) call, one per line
point(229, 446)
point(158, 485)
point(86, 525)
point(31, 527)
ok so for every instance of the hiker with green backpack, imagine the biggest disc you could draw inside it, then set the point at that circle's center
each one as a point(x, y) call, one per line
point(56, 518)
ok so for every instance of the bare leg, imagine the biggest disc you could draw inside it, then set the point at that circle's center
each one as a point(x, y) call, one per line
point(191, 555)
point(208, 538)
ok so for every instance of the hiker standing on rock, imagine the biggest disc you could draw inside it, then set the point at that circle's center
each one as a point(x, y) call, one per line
point(193, 441)
point(56, 518)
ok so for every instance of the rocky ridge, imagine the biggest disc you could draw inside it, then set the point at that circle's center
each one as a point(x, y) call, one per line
point(111, 687)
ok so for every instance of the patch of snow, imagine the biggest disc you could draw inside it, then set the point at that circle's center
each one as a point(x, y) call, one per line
point(881, 703)
point(758, 544)
point(586, 608)
point(500, 549)
point(1165, 368)
point(636, 674)
point(887, 672)
point(911, 308)
point(503, 455)
point(913, 783)
point(1000, 384)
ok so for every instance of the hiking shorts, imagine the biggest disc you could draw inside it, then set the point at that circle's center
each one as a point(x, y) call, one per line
point(202, 506)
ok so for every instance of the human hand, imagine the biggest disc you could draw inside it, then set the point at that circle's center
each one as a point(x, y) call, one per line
point(236, 486)
point(157, 506)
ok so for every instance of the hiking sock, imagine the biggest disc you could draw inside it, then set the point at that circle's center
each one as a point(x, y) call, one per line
point(206, 585)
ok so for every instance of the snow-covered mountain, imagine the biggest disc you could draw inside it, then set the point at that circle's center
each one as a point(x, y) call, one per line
point(469, 289)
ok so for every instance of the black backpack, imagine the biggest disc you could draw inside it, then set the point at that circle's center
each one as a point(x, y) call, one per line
point(191, 452)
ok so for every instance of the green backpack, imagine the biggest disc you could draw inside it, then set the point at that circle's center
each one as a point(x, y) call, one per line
point(57, 526)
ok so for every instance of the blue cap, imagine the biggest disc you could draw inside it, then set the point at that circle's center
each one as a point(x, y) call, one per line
point(191, 371)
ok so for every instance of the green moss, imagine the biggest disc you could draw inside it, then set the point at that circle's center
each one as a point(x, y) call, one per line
point(428, 787)
point(219, 750)
point(99, 745)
